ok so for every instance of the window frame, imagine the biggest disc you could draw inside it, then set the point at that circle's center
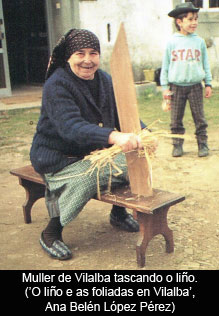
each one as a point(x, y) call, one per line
point(206, 7)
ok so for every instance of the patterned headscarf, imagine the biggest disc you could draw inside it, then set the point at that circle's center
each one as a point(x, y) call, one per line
point(68, 44)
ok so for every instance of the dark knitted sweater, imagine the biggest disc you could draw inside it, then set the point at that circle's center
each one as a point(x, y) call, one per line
point(68, 127)
point(71, 124)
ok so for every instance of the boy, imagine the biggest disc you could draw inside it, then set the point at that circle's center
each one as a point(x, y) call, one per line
point(185, 65)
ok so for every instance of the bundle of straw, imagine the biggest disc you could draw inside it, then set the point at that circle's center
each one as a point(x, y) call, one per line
point(149, 139)
point(101, 158)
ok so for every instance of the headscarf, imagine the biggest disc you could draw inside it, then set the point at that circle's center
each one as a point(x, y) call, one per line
point(68, 44)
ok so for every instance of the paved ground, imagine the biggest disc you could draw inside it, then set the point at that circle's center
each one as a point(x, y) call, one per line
point(22, 97)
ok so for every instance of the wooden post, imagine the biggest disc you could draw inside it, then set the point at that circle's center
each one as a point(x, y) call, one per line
point(126, 101)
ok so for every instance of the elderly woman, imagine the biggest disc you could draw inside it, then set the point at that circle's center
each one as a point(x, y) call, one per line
point(78, 116)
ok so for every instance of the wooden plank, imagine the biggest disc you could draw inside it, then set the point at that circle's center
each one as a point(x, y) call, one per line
point(27, 173)
point(126, 100)
point(120, 196)
point(124, 197)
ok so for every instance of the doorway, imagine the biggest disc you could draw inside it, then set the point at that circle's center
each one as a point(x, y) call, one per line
point(27, 41)
point(5, 85)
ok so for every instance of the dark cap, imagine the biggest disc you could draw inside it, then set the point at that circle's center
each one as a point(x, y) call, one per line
point(183, 8)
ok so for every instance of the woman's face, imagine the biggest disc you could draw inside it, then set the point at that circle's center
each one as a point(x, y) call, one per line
point(84, 63)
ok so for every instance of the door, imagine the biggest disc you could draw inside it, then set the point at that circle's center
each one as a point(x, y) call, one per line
point(5, 85)
point(27, 47)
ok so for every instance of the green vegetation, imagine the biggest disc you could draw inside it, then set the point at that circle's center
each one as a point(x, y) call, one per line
point(150, 111)
point(16, 130)
point(17, 127)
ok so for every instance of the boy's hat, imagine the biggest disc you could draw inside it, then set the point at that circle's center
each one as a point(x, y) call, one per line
point(183, 8)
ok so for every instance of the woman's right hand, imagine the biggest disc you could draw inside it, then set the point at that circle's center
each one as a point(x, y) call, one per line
point(127, 141)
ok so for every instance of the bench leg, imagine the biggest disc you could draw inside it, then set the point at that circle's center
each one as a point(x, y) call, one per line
point(34, 191)
point(150, 226)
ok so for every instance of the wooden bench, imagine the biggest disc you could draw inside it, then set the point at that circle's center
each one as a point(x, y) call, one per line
point(151, 212)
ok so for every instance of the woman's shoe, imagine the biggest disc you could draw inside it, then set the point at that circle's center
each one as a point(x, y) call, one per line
point(58, 250)
point(125, 222)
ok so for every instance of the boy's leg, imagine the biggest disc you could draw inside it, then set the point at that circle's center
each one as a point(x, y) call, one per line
point(178, 103)
point(197, 108)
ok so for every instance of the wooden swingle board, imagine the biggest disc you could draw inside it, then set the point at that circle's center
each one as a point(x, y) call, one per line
point(126, 101)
